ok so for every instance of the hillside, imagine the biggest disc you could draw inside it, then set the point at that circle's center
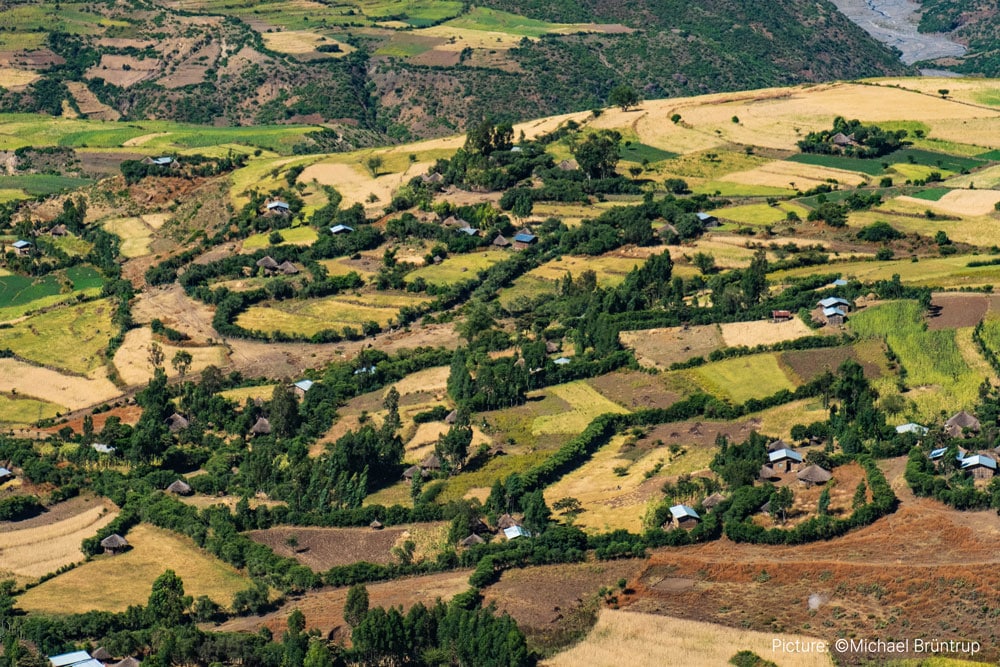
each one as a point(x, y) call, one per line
point(721, 366)
point(975, 23)
point(377, 73)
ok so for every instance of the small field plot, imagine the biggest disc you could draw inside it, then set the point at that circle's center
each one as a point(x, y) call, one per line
point(17, 410)
point(795, 175)
point(310, 316)
point(525, 289)
point(634, 389)
point(20, 294)
point(323, 548)
point(132, 358)
point(134, 233)
point(324, 608)
point(71, 337)
point(292, 236)
point(807, 364)
point(44, 543)
point(585, 404)
point(43, 184)
point(963, 202)
point(631, 638)
point(988, 178)
point(457, 268)
point(112, 583)
point(763, 332)
point(298, 42)
point(661, 347)
point(944, 272)
point(240, 396)
point(934, 363)
point(742, 378)
point(611, 269)
point(759, 214)
point(778, 421)
point(872, 167)
point(71, 391)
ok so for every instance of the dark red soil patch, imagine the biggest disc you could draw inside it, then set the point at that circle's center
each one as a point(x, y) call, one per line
point(954, 311)
point(807, 364)
point(634, 390)
point(128, 414)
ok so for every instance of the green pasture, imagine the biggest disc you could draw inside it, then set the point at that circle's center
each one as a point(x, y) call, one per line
point(42, 184)
point(71, 337)
point(637, 152)
point(18, 410)
point(931, 194)
point(457, 268)
point(292, 236)
point(19, 294)
point(741, 378)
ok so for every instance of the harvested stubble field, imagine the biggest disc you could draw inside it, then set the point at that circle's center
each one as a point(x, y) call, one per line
point(633, 389)
point(324, 608)
point(763, 332)
point(611, 269)
point(962, 202)
point(44, 543)
point(132, 358)
point(323, 548)
point(923, 571)
point(112, 583)
point(660, 348)
point(623, 638)
point(457, 268)
point(71, 391)
point(585, 404)
point(944, 272)
point(310, 316)
point(135, 234)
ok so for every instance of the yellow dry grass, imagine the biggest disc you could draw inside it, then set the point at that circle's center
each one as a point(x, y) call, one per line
point(631, 639)
point(135, 234)
point(240, 395)
point(962, 202)
point(132, 358)
point(356, 184)
point(16, 78)
point(302, 41)
point(431, 379)
point(112, 583)
point(33, 552)
point(778, 421)
point(982, 178)
point(71, 391)
point(314, 315)
point(586, 404)
point(782, 174)
point(763, 332)
point(611, 269)
point(462, 38)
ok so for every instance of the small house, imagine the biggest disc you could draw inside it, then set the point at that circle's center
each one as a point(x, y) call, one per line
point(515, 532)
point(471, 541)
point(267, 263)
point(162, 161)
point(433, 178)
point(682, 516)
point(568, 165)
point(980, 466)
point(74, 659)
point(776, 445)
point(707, 219)
point(101, 448)
point(278, 208)
point(501, 241)
point(938, 454)
point(452, 417)
point(287, 268)
point(432, 462)
point(102, 654)
point(561, 361)
point(452, 221)
point(410, 472)
point(835, 302)
point(781, 315)
point(840, 282)
point(301, 387)
point(469, 231)
point(784, 460)
point(58, 230)
point(505, 521)
point(127, 662)
point(767, 474)
point(261, 427)
point(915, 429)
point(712, 501)
point(813, 474)
point(114, 544)
point(376, 525)
point(551, 347)
point(834, 316)
point(5, 474)
point(22, 247)
point(365, 370)
point(176, 422)
point(180, 488)
point(341, 229)
point(961, 424)
point(523, 240)
point(841, 139)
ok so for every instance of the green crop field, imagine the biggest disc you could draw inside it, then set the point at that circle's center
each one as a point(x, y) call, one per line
point(310, 316)
point(19, 294)
point(25, 410)
point(492, 20)
point(741, 378)
point(291, 236)
point(70, 337)
point(932, 358)
point(760, 214)
point(637, 152)
point(871, 167)
point(42, 184)
point(457, 268)
point(931, 194)
point(734, 189)
point(585, 404)
point(525, 287)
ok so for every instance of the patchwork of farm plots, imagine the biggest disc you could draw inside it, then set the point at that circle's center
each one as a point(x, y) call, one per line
point(20, 294)
point(947, 272)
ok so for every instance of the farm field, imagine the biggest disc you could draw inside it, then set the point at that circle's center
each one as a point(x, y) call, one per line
point(623, 637)
point(71, 337)
point(946, 272)
point(20, 295)
point(934, 363)
point(240, 396)
point(112, 583)
point(457, 268)
point(760, 214)
point(71, 391)
point(741, 378)
point(585, 404)
point(17, 410)
point(659, 348)
point(135, 234)
point(132, 358)
point(43, 544)
point(763, 332)
point(292, 236)
point(309, 317)
point(323, 548)
point(611, 269)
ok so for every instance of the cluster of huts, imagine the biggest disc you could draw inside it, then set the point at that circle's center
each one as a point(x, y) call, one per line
point(270, 267)
point(782, 460)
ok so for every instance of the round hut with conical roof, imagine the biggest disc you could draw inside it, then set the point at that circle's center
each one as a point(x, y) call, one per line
point(114, 544)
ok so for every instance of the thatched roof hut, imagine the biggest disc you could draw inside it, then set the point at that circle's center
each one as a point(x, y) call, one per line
point(767, 473)
point(180, 488)
point(471, 541)
point(452, 417)
point(267, 263)
point(127, 662)
point(114, 543)
point(506, 521)
point(376, 525)
point(102, 654)
point(814, 475)
point(960, 423)
point(712, 500)
point(501, 241)
point(176, 422)
point(411, 471)
point(432, 462)
point(288, 268)
point(262, 427)
point(776, 445)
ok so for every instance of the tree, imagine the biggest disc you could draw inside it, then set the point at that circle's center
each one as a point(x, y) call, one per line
point(318, 655)
point(860, 495)
point(284, 415)
point(155, 355)
point(167, 601)
point(454, 446)
point(356, 606)
point(781, 502)
point(536, 513)
point(678, 186)
point(754, 281)
point(374, 163)
point(623, 96)
point(823, 505)
point(182, 362)
point(705, 263)
point(598, 154)
point(477, 320)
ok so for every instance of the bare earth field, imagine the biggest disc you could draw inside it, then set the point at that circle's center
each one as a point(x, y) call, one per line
point(661, 347)
point(763, 332)
point(924, 571)
point(956, 310)
point(324, 609)
point(71, 391)
point(44, 543)
point(323, 548)
point(132, 358)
